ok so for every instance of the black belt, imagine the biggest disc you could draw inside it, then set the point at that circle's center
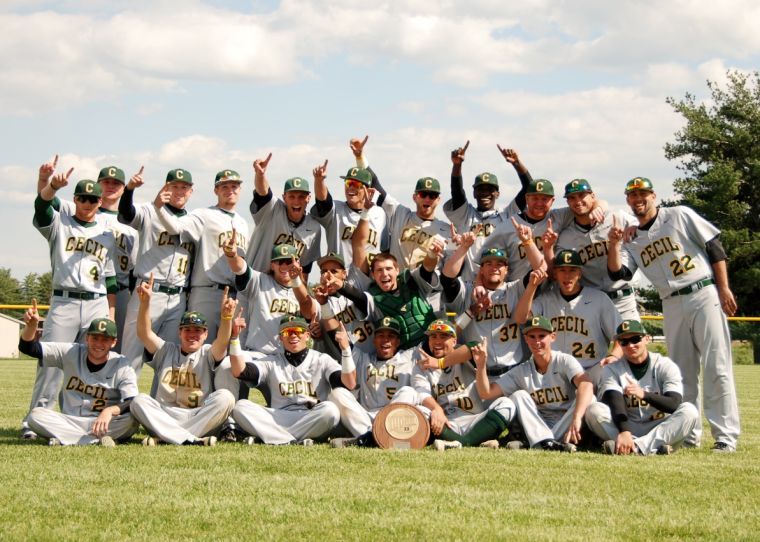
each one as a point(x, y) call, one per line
point(73, 294)
point(622, 292)
point(499, 370)
point(693, 287)
point(169, 290)
point(123, 287)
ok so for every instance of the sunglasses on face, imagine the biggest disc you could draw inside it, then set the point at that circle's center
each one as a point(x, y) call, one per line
point(290, 331)
point(631, 340)
point(427, 195)
point(87, 199)
point(442, 328)
point(353, 183)
point(283, 262)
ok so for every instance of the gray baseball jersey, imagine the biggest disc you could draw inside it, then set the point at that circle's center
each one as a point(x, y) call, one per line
point(585, 325)
point(453, 388)
point(662, 376)
point(295, 388)
point(182, 380)
point(86, 393)
point(379, 380)
point(274, 228)
point(410, 235)
point(339, 224)
point(553, 392)
point(506, 345)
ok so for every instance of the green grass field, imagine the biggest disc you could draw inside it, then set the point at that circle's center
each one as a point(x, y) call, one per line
point(234, 491)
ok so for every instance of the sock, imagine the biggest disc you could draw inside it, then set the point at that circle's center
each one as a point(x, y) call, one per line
point(490, 427)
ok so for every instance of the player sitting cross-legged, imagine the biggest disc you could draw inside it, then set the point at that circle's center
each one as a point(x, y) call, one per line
point(299, 380)
point(99, 386)
point(182, 408)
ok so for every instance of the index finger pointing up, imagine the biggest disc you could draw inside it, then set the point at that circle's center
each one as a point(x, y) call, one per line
point(34, 304)
point(464, 149)
point(55, 161)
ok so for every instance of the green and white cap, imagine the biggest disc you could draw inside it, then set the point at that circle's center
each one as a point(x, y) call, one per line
point(540, 186)
point(179, 175)
point(284, 252)
point(577, 185)
point(428, 184)
point(193, 318)
point(493, 253)
point(332, 257)
point(639, 183)
point(630, 327)
point(103, 326)
point(388, 323)
point(538, 322)
point(441, 326)
point(87, 187)
point(296, 184)
point(112, 172)
point(292, 321)
point(227, 175)
point(488, 179)
point(568, 258)
point(359, 174)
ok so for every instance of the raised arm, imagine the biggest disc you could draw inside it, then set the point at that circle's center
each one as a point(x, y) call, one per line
point(321, 191)
point(458, 195)
point(360, 237)
point(523, 307)
point(219, 346)
point(486, 389)
point(126, 202)
point(260, 182)
point(145, 332)
point(525, 234)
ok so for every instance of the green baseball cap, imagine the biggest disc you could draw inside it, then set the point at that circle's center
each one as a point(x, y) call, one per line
point(193, 318)
point(428, 184)
point(630, 327)
point(103, 326)
point(292, 321)
point(296, 184)
point(577, 185)
point(359, 174)
point(284, 252)
point(441, 326)
point(538, 322)
point(179, 175)
point(567, 258)
point(388, 323)
point(332, 257)
point(112, 172)
point(493, 254)
point(540, 186)
point(227, 175)
point(639, 183)
point(86, 187)
point(488, 179)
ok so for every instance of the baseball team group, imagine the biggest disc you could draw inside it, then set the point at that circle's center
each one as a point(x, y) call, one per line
point(511, 326)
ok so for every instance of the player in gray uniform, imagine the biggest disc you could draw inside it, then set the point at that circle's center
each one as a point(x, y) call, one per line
point(465, 216)
point(283, 221)
point(299, 380)
point(643, 412)
point(380, 376)
point(584, 318)
point(82, 254)
point(339, 218)
point(162, 256)
point(100, 385)
point(448, 398)
point(211, 229)
point(589, 239)
point(182, 407)
point(550, 390)
point(682, 256)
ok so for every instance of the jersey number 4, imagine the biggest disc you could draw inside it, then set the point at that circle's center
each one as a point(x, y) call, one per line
point(580, 352)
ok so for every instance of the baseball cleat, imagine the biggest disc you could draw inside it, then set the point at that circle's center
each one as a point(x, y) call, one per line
point(149, 442)
point(228, 434)
point(107, 442)
point(553, 445)
point(53, 442)
point(516, 445)
point(608, 447)
point(344, 442)
point(28, 434)
point(722, 447)
point(307, 442)
point(207, 441)
point(442, 445)
point(665, 449)
point(493, 444)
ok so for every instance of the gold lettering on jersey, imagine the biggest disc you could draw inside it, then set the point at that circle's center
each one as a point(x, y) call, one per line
point(347, 315)
point(546, 396)
point(443, 389)
point(348, 232)
point(376, 375)
point(299, 387)
point(288, 239)
point(571, 324)
point(539, 245)
point(495, 312)
point(75, 384)
point(240, 240)
point(283, 305)
point(88, 246)
point(597, 249)
point(657, 248)
point(414, 234)
point(486, 229)
point(181, 378)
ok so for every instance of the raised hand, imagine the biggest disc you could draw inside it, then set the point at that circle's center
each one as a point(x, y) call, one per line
point(480, 353)
point(320, 292)
point(229, 305)
point(60, 180)
point(238, 324)
point(145, 289)
point(164, 196)
point(455, 237)
point(615, 235)
point(357, 146)
point(32, 316)
point(523, 231)
point(315, 328)
point(342, 338)
point(260, 166)
point(136, 181)
point(510, 155)
point(426, 361)
point(230, 246)
point(457, 155)
point(481, 300)
point(537, 276)
point(320, 172)
point(369, 194)
point(550, 236)
point(46, 170)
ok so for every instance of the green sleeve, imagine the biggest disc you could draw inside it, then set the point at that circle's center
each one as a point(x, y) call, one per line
point(111, 286)
point(43, 212)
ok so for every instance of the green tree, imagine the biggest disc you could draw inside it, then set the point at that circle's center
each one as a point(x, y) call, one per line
point(718, 152)
point(9, 292)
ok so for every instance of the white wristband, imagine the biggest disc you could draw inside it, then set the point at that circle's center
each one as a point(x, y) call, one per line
point(296, 282)
point(347, 364)
point(235, 349)
point(464, 320)
point(326, 311)
point(364, 215)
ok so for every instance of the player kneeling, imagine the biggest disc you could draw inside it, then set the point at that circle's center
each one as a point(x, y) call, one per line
point(550, 390)
point(380, 376)
point(182, 409)
point(298, 380)
point(643, 410)
point(99, 386)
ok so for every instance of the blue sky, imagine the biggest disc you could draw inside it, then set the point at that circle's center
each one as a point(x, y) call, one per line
point(578, 88)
